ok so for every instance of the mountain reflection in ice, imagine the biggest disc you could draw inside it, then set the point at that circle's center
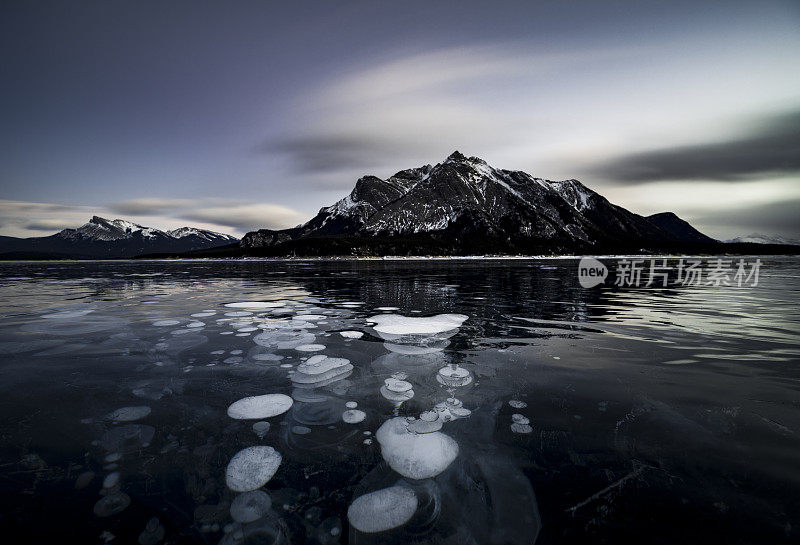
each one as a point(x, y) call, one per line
point(379, 402)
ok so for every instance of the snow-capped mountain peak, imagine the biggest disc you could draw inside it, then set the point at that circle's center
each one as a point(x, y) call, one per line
point(758, 238)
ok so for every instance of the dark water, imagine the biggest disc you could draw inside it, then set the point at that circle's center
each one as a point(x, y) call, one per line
point(655, 415)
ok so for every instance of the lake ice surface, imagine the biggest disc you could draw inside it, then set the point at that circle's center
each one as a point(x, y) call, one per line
point(237, 402)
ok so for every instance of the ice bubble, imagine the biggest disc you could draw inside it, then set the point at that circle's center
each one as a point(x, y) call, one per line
point(261, 428)
point(247, 329)
point(454, 375)
point(153, 532)
point(353, 416)
point(166, 323)
point(351, 334)
point(521, 428)
point(391, 326)
point(252, 468)
point(517, 404)
point(383, 509)
point(267, 357)
point(387, 309)
point(395, 396)
point(310, 347)
point(320, 371)
point(235, 352)
point(396, 385)
point(233, 360)
point(301, 430)
point(204, 314)
point(111, 480)
point(309, 317)
point(351, 404)
point(519, 419)
point(238, 314)
point(128, 414)
point(195, 324)
point(258, 407)
point(254, 304)
point(111, 504)
point(428, 422)
point(250, 506)
point(66, 314)
point(217, 352)
point(84, 480)
point(284, 339)
point(127, 438)
point(308, 395)
point(416, 456)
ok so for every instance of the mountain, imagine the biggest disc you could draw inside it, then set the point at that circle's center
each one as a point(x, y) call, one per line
point(679, 228)
point(102, 238)
point(465, 206)
point(757, 238)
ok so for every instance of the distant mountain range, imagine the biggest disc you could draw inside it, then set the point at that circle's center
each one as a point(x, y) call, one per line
point(757, 238)
point(465, 206)
point(461, 206)
point(102, 238)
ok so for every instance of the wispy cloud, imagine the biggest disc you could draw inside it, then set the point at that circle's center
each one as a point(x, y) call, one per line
point(772, 148)
point(236, 217)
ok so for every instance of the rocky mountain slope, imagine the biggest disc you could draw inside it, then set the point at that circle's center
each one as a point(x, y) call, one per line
point(465, 206)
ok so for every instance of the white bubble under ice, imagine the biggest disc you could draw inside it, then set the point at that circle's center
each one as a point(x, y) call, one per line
point(250, 506)
point(251, 468)
point(382, 510)
point(353, 416)
point(416, 456)
point(258, 407)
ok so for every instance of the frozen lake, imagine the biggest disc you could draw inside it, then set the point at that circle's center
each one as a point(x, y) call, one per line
point(442, 402)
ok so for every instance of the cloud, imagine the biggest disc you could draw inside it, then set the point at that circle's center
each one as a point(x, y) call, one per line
point(149, 206)
point(773, 148)
point(777, 217)
point(235, 217)
point(247, 217)
point(49, 225)
point(413, 109)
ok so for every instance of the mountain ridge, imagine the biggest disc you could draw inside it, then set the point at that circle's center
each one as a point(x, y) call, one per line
point(464, 203)
point(103, 238)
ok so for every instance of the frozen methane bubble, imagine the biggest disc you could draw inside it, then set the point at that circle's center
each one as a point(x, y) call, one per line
point(284, 339)
point(261, 428)
point(351, 404)
point(383, 509)
point(320, 370)
point(254, 304)
point(301, 430)
point(413, 455)
point(517, 404)
point(128, 414)
point(153, 532)
point(250, 506)
point(111, 480)
point(428, 422)
point(454, 376)
point(252, 468)
point(520, 419)
point(310, 347)
point(258, 407)
point(353, 416)
point(518, 427)
point(351, 334)
point(394, 326)
point(111, 504)
point(166, 323)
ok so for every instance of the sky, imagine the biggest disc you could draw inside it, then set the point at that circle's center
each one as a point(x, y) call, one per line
point(242, 115)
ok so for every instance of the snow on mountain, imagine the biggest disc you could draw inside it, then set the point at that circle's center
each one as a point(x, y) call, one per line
point(203, 234)
point(758, 238)
point(100, 237)
point(463, 201)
